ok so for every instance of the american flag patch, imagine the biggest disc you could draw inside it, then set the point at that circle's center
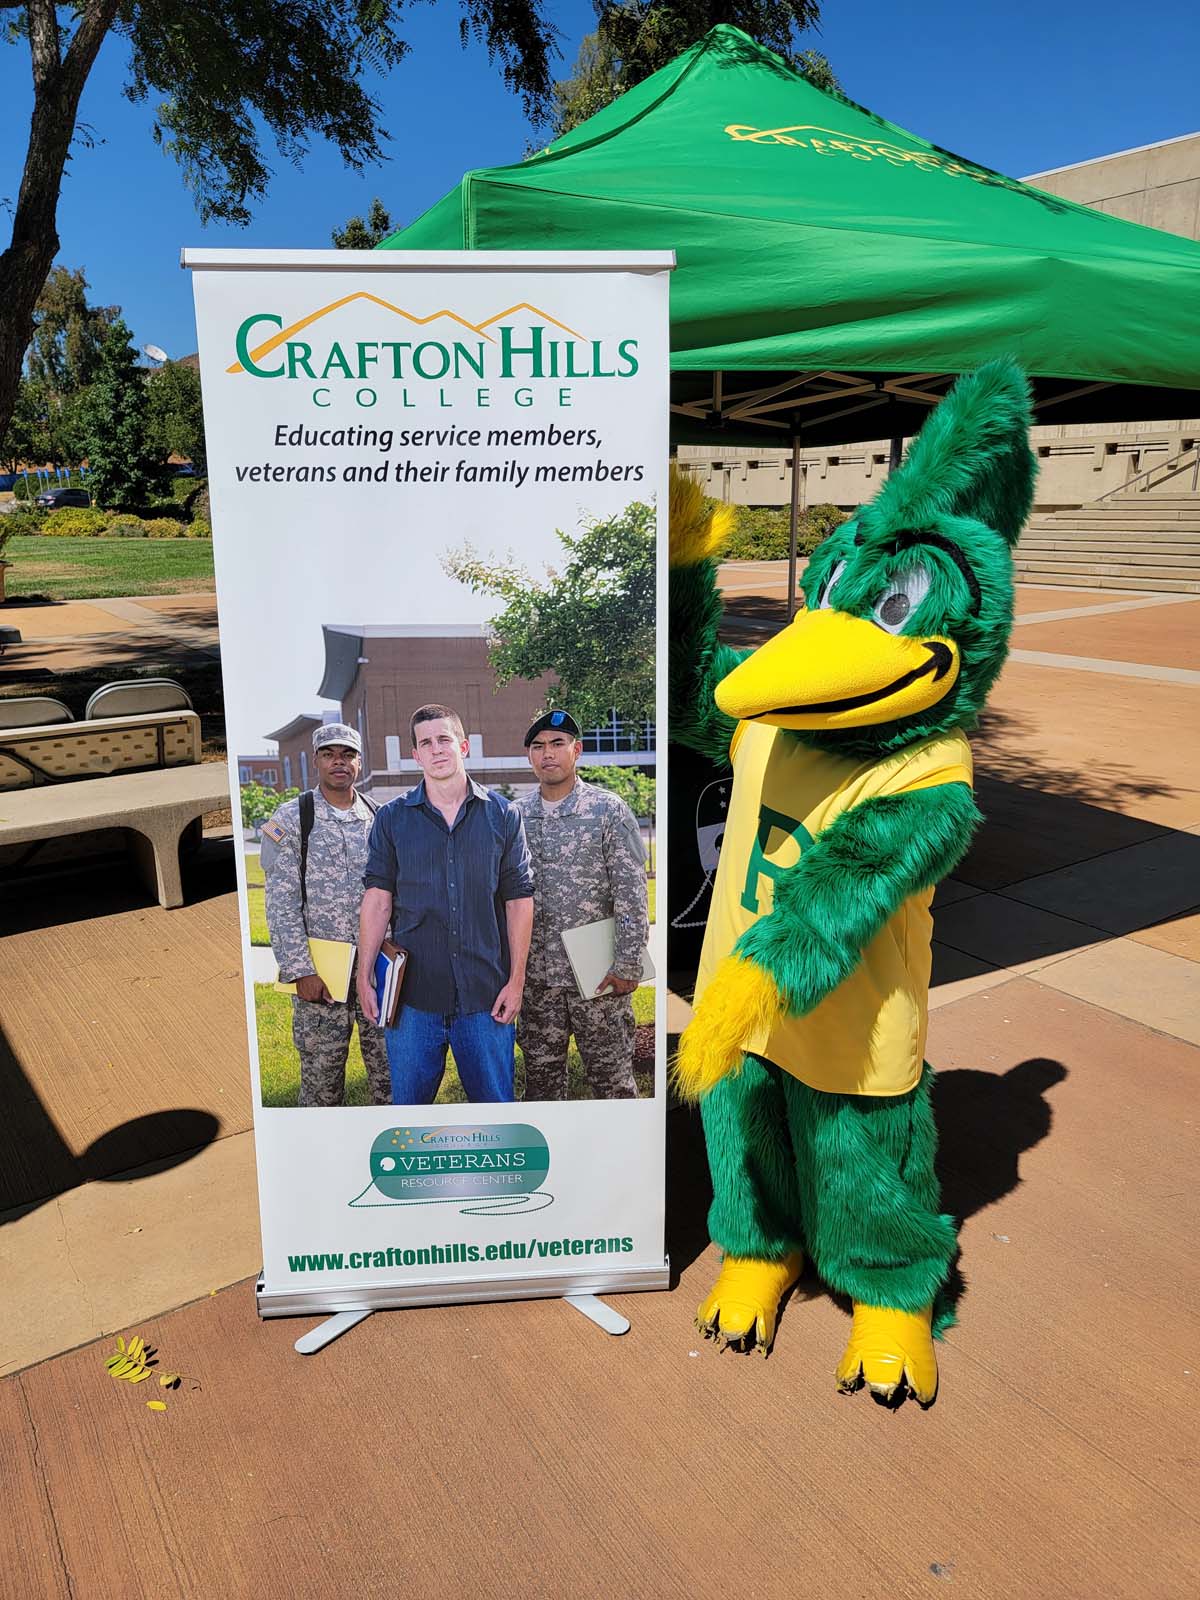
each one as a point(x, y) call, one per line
point(273, 831)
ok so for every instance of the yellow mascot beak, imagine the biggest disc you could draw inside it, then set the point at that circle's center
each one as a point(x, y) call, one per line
point(828, 669)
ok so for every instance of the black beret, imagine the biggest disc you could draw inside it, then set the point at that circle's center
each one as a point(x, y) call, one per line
point(560, 721)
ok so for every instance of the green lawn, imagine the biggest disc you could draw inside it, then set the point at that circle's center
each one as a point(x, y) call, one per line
point(82, 569)
point(280, 1067)
point(256, 900)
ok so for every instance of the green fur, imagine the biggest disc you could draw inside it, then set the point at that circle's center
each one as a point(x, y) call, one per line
point(848, 1179)
point(851, 881)
point(968, 478)
point(697, 661)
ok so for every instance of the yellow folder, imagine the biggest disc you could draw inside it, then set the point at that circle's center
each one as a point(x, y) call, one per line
point(332, 961)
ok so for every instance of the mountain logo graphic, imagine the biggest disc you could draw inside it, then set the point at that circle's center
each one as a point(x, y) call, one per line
point(284, 335)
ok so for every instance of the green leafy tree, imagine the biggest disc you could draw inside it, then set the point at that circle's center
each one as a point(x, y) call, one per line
point(120, 472)
point(225, 76)
point(26, 438)
point(175, 415)
point(634, 787)
point(590, 624)
point(634, 38)
point(68, 333)
point(46, 429)
point(365, 233)
point(259, 803)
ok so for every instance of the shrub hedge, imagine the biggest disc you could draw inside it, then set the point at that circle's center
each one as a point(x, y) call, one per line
point(761, 533)
point(187, 520)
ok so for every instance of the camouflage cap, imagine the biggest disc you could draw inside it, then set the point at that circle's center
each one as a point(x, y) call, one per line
point(337, 733)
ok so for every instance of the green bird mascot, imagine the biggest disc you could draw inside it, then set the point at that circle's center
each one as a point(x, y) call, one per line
point(851, 799)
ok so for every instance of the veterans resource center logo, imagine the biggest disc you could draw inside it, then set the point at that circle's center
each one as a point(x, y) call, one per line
point(521, 346)
point(485, 1170)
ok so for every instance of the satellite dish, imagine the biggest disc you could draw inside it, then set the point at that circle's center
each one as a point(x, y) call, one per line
point(155, 353)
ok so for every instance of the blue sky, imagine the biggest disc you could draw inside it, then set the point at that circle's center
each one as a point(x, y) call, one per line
point(1021, 87)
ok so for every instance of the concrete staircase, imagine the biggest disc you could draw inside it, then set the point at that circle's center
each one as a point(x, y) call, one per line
point(1136, 541)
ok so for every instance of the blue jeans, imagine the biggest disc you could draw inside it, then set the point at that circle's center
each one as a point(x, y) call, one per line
point(483, 1053)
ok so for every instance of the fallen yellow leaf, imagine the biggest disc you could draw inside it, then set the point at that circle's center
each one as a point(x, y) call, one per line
point(155, 1405)
point(169, 1380)
point(121, 1346)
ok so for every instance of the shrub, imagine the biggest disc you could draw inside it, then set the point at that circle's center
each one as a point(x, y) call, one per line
point(126, 528)
point(164, 528)
point(167, 511)
point(761, 533)
point(198, 528)
point(76, 522)
point(29, 519)
point(184, 491)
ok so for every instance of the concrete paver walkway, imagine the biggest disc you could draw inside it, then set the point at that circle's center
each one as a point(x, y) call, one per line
point(67, 635)
point(462, 1446)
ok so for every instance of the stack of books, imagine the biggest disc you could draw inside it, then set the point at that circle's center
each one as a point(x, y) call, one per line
point(389, 975)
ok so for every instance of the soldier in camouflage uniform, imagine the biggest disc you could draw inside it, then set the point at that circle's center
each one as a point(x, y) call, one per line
point(588, 864)
point(337, 855)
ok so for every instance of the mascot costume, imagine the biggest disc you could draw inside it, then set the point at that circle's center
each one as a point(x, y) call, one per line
point(851, 799)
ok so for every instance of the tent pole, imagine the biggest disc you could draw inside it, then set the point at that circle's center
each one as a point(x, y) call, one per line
point(895, 451)
point(794, 530)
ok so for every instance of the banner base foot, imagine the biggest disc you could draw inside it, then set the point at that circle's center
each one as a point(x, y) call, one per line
point(326, 1332)
point(596, 1311)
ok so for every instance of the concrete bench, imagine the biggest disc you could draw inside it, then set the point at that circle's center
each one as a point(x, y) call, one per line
point(64, 752)
point(156, 807)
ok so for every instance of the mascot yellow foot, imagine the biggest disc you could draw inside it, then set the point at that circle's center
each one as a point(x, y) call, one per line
point(888, 1348)
point(740, 1312)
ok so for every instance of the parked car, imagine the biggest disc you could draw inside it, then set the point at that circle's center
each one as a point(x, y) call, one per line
point(55, 499)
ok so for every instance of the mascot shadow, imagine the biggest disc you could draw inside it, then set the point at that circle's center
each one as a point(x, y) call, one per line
point(986, 1121)
point(37, 1165)
point(36, 1162)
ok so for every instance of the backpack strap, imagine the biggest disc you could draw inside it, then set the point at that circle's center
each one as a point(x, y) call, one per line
point(308, 815)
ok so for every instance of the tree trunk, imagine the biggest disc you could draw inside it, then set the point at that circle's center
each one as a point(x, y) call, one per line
point(25, 265)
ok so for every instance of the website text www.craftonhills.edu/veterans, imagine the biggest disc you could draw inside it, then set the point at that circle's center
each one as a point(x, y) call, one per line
point(449, 1254)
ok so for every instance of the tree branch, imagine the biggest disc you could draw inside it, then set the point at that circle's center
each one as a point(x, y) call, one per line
point(43, 42)
point(94, 22)
point(57, 88)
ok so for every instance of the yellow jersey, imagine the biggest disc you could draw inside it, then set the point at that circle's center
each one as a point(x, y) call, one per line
point(868, 1036)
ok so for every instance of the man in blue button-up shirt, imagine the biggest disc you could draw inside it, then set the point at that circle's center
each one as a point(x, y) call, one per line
point(449, 870)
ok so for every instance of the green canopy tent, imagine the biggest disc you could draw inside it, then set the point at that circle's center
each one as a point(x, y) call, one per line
point(835, 272)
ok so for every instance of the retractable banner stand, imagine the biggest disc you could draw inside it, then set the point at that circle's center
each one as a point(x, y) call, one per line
point(403, 450)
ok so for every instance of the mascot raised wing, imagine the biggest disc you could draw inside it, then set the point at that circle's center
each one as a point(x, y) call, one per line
point(851, 799)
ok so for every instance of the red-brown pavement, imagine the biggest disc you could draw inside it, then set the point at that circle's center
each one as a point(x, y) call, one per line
point(514, 1447)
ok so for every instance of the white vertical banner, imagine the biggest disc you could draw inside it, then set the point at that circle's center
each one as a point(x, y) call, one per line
point(377, 422)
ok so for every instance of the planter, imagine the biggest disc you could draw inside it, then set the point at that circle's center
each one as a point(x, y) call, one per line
point(4, 566)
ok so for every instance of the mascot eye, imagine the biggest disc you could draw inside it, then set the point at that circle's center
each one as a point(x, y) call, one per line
point(901, 598)
point(823, 600)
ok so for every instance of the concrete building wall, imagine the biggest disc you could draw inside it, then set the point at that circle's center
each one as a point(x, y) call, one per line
point(1158, 186)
